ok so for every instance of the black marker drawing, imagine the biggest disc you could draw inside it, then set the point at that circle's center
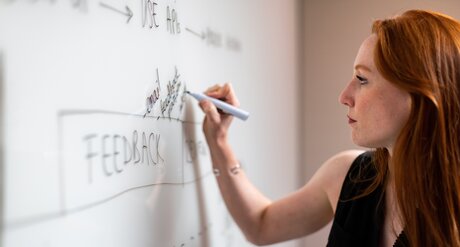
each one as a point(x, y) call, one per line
point(105, 155)
point(148, 12)
point(201, 35)
point(128, 12)
point(172, 22)
point(173, 88)
point(153, 97)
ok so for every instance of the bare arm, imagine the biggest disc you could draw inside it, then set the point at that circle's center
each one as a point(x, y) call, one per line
point(263, 221)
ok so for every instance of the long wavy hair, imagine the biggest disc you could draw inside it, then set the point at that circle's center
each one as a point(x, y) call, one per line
point(419, 52)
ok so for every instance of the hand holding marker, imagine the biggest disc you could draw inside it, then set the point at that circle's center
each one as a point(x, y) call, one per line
point(227, 108)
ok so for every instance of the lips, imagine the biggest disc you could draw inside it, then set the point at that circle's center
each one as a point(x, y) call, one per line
point(351, 120)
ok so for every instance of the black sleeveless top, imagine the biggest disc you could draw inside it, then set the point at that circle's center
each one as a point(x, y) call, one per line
point(359, 222)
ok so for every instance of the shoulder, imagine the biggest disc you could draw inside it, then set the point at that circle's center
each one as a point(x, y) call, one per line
point(338, 165)
point(342, 160)
point(332, 173)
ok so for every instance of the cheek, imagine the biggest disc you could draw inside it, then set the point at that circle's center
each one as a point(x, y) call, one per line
point(379, 116)
point(369, 109)
point(394, 114)
point(401, 113)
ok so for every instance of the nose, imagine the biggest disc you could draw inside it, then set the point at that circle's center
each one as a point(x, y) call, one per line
point(346, 96)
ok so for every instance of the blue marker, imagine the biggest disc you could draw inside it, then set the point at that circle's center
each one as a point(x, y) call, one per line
point(227, 108)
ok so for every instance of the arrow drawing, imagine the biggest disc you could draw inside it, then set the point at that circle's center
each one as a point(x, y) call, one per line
point(128, 12)
point(201, 35)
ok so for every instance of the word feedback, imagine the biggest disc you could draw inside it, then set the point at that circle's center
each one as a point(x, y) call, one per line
point(111, 154)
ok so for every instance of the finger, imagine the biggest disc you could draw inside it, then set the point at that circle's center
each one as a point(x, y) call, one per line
point(215, 90)
point(229, 95)
point(224, 93)
point(210, 110)
point(212, 89)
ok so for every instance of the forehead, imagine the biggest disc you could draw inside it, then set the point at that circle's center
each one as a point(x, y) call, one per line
point(365, 54)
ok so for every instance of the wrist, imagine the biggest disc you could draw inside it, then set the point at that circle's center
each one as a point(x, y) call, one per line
point(233, 170)
point(218, 142)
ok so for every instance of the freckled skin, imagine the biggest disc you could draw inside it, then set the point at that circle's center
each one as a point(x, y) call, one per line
point(379, 108)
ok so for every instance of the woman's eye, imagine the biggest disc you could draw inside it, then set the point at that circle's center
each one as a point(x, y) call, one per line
point(361, 79)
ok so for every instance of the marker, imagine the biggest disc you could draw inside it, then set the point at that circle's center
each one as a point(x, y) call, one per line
point(227, 108)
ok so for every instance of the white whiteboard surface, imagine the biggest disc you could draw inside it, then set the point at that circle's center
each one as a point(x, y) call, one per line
point(85, 161)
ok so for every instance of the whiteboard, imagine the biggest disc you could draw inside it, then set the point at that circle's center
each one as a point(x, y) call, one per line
point(100, 144)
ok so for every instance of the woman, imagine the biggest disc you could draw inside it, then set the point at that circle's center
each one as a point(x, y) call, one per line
point(403, 102)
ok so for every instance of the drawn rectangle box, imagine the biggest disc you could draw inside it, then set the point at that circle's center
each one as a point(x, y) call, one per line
point(105, 154)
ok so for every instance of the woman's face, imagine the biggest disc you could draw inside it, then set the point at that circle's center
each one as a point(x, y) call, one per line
point(377, 110)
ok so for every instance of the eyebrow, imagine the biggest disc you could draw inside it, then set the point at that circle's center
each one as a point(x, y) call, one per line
point(360, 66)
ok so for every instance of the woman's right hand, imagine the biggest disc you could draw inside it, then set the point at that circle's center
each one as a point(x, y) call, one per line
point(216, 122)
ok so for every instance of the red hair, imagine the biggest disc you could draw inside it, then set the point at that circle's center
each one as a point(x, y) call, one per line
point(419, 52)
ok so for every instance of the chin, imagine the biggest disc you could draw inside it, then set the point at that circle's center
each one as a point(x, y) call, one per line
point(366, 143)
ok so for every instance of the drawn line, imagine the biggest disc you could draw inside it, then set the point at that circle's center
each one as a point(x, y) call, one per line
point(50, 216)
point(129, 13)
point(63, 211)
point(201, 35)
point(87, 112)
point(111, 8)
